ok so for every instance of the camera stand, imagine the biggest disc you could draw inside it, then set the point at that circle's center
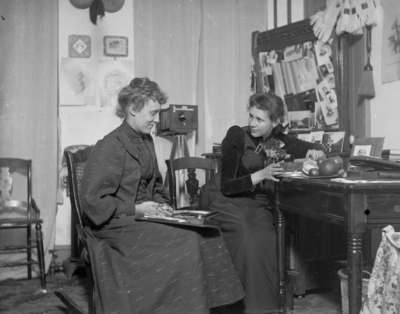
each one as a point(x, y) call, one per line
point(179, 149)
point(179, 146)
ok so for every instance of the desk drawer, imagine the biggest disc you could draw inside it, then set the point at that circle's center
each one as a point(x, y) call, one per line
point(312, 203)
point(382, 208)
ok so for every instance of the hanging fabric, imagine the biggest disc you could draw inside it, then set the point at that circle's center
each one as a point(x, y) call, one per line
point(383, 295)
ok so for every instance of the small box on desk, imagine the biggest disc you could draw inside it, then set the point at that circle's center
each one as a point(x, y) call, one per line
point(178, 119)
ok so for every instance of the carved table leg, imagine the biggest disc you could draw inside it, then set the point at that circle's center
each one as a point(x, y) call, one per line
point(354, 260)
point(280, 229)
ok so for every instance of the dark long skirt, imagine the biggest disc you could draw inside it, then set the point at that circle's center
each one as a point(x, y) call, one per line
point(145, 267)
point(249, 232)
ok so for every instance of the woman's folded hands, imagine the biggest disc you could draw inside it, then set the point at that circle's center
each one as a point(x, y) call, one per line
point(151, 208)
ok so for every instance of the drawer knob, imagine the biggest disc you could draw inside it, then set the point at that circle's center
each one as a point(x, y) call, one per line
point(396, 208)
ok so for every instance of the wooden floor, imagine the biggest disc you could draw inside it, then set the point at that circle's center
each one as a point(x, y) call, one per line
point(25, 296)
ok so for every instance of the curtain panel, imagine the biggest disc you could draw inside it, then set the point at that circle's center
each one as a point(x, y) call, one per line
point(28, 106)
point(199, 52)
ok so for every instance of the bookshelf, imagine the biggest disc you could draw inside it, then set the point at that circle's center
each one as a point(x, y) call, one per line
point(311, 262)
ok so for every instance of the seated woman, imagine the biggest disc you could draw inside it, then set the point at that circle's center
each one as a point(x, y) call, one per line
point(146, 267)
point(241, 194)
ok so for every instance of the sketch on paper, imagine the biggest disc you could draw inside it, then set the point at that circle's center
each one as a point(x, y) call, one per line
point(77, 82)
point(113, 76)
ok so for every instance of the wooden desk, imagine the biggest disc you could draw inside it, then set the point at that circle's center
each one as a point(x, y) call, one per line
point(354, 206)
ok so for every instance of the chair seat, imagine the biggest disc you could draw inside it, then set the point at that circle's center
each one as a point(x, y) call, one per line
point(9, 222)
point(14, 204)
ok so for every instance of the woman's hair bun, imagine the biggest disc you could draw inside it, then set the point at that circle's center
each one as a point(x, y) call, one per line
point(137, 82)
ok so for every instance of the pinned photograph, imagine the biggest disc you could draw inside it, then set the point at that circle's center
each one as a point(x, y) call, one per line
point(292, 53)
point(316, 137)
point(362, 150)
point(263, 60)
point(324, 70)
point(304, 137)
point(266, 87)
point(331, 115)
point(331, 80)
point(327, 94)
point(308, 50)
point(329, 66)
point(319, 116)
point(323, 52)
point(299, 120)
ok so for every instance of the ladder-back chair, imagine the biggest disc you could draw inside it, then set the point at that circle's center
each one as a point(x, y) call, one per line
point(188, 193)
point(18, 214)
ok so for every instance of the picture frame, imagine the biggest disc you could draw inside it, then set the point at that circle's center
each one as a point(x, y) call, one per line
point(333, 141)
point(115, 46)
point(362, 150)
point(368, 146)
point(79, 46)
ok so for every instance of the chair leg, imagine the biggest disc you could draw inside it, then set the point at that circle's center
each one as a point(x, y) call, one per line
point(40, 251)
point(72, 307)
point(29, 250)
point(91, 287)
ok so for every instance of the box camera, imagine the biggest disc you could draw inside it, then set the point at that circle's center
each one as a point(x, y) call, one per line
point(178, 119)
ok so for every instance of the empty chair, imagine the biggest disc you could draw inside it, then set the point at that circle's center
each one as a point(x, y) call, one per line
point(186, 193)
point(18, 214)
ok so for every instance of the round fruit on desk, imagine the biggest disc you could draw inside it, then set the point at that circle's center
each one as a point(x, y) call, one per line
point(314, 172)
point(328, 167)
point(308, 165)
point(319, 159)
point(339, 161)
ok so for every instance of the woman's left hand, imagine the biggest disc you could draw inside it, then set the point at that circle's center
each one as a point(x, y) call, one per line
point(314, 154)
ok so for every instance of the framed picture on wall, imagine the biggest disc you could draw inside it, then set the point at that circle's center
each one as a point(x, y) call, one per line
point(115, 46)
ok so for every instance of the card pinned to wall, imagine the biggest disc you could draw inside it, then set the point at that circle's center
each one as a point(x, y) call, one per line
point(316, 137)
point(308, 50)
point(77, 82)
point(331, 115)
point(304, 137)
point(327, 94)
point(323, 52)
point(292, 53)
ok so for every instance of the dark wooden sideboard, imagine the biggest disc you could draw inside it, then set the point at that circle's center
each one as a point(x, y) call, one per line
point(352, 206)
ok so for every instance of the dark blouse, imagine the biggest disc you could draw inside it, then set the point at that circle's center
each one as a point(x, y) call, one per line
point(239, 159)
point(121, 171)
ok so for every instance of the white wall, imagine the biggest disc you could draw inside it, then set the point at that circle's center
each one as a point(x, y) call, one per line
point(297, 12)
point(87, 124)
point(385, 107)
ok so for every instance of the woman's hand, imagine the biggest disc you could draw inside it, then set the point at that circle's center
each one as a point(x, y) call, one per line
point(153, 209)
point(268, 173)
point(314, 154)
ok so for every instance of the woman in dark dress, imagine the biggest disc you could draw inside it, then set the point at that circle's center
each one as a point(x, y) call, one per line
point(146, 267)
point(242, 194)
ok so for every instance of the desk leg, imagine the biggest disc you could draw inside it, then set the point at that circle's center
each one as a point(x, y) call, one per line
point(280, 228)
point(354, 260)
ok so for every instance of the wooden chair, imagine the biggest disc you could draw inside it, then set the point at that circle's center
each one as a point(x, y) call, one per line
point(189, 192)
point(18, 213)
point(76, 164)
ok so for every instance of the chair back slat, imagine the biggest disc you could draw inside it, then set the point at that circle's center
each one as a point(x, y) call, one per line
point(191, 164)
